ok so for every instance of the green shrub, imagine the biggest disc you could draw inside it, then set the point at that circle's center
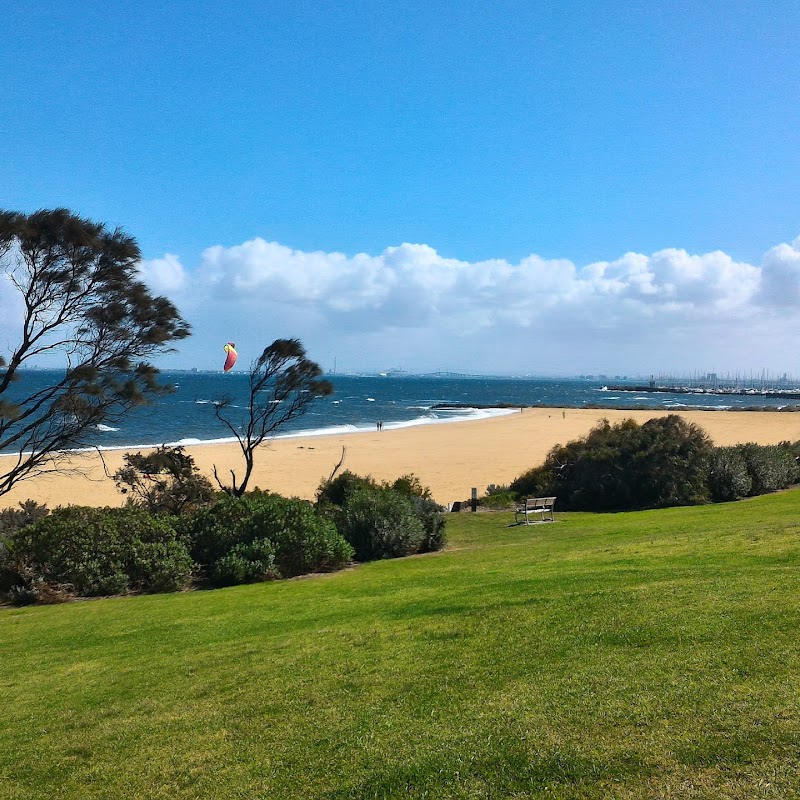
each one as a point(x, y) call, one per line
point(211, 532)
point(304, 541)
point(375, 538)
point(771, 467)
point(13, 520)
point(429, 513)
point(245, 563)
point(22, 595)
point(498, 500)
point(261, 536)
point(536, 482)
point(380, 523)
point(164, 481)
point(335, 492)
point(411, 486)
point(13, 573)
point(728, 477)
point(101, 551)
point(625, 466)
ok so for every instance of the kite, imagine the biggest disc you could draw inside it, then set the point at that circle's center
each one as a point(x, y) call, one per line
point(230, 360)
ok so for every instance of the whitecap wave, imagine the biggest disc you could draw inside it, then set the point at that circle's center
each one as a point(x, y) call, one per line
point(105, 428)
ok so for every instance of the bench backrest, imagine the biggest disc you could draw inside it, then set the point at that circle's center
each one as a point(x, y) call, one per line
point(533, 503)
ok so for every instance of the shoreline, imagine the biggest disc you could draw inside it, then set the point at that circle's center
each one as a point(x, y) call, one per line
point(449, 456)
point(311, 433)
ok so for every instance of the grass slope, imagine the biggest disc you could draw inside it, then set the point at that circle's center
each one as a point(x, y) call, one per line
point(642, 655)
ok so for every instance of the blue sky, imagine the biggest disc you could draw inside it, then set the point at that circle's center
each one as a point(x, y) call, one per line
point(515, 145)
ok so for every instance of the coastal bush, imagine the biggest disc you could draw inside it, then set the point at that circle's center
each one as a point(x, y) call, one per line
point(12, 521)
point(381, 523)
point(335, 492)
point(164, 481)
point(304, 541)
point(260, 536)
point(334, 498)
point(771, 467)
point(536, 482)
point(427, 510)
point(728, 476)
point(212, 531)
point(102, 551)
point(625, 466)
point(246, 562)
point(429, 513)
point(498, 500)
point(411, 486)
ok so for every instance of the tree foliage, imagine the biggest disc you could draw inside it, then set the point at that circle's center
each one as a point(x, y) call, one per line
point(383, 520)
point(283, 384)
point(261, 536)
point(80, 299)
point(101, 551)
point(625, 466)
point(728, 476)
point(163, 481)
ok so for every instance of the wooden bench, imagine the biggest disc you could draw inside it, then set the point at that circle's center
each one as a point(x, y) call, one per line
point(532, 506)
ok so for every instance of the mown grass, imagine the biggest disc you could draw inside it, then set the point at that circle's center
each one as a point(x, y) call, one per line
point(640, 655)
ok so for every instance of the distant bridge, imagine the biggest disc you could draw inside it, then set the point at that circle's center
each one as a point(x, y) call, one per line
point(450, 375)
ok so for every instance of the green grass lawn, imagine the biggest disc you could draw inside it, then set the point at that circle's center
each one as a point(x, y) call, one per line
point(640, 655)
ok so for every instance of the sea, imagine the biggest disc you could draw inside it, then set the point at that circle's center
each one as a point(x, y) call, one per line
point(186, 415)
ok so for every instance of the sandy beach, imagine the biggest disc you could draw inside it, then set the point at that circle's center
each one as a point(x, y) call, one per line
point(449, 458)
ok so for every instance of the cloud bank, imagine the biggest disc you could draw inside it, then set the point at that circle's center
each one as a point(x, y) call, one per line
point(410, 306)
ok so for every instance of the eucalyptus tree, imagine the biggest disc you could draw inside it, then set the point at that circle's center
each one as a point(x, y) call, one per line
point(282, 385)
point(72, 297)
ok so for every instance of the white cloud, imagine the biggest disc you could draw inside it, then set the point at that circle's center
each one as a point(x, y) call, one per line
point(164, 275)
point(374, 306)
point(780, 275)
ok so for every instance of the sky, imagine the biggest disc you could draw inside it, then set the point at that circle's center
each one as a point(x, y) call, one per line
point(547, 188)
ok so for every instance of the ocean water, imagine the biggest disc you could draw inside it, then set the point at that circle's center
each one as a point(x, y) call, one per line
point(186, 416)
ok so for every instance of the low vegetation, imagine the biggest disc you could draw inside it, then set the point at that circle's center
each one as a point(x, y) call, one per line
point(175, 533)
point(649, 654)
point(383, 520)
point(164, 481)
point(664, 462)
point(95, 551)
point(261, 536)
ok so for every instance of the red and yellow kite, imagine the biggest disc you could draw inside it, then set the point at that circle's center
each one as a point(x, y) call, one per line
point(230, 359)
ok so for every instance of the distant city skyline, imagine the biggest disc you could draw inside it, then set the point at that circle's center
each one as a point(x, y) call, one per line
point(505, 188)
